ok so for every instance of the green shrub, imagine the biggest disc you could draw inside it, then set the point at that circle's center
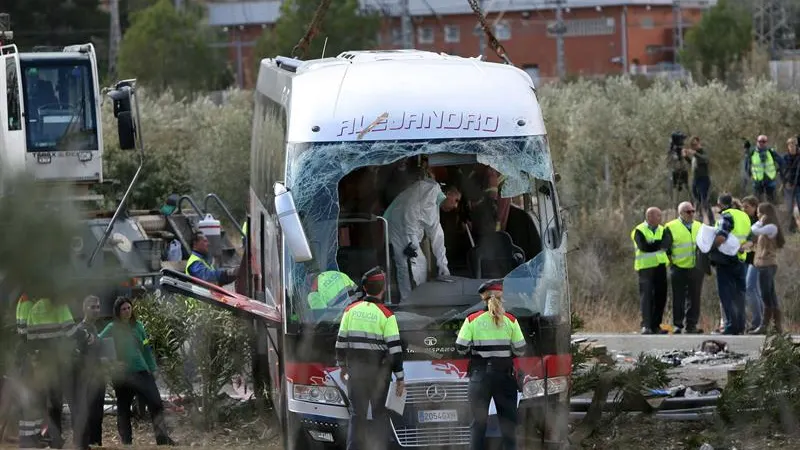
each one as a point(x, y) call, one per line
point(191, 148)
point(199, 348)
point(767, 391)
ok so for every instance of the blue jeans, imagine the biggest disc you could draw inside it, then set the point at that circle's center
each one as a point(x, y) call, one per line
point(731, 285)
point(765, 190)
point(790, 198)
point(753, 296)
point(700, 190)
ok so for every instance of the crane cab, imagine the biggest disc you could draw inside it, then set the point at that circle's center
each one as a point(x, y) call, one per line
point(50, 116)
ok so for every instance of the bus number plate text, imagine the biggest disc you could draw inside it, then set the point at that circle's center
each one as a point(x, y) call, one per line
point(438, 416)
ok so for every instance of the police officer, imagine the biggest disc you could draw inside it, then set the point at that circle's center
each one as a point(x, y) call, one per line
point(49, 345)
point(368, 334)
point(329, 289)
point(493, 336)
point(30, 421)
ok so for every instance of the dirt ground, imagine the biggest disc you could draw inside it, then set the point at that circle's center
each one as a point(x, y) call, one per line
point(645, 433)
point(248, 434)
point(622, 433)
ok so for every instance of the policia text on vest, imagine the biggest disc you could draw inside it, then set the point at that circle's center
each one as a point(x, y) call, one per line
point(368, 350)
point(650, 263)
point(492, 338)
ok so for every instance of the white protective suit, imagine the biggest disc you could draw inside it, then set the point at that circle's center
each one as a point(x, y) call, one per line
point(412, 214)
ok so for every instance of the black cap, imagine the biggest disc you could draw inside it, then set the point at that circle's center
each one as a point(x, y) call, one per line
point(376, 274)
point(725, 200)
point(491, 285)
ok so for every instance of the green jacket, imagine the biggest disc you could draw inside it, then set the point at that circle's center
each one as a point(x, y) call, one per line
point(132, 346)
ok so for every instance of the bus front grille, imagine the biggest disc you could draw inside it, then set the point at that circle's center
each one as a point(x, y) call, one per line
point(424, 437)
point(442, 392)
point(415, 427)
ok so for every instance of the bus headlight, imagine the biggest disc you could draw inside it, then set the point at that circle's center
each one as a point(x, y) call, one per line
point(318, 394)
point(536, 388)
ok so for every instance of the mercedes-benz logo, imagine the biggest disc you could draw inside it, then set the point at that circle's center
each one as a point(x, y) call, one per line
point(430, 341)
point(436, 393)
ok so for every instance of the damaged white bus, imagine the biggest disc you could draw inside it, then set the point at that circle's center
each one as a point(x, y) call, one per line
point(346, 135)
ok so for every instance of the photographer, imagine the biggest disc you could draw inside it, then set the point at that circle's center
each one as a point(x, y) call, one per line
point(701, 179)
point(677, 162)
point(791, 175)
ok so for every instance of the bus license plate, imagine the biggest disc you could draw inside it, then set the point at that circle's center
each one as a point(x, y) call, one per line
point(438, 416)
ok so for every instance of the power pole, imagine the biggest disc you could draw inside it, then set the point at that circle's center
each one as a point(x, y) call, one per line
point(773, 25)
point(677, 36)
point(481, 32)
point(114, 38)
point(5, 28)
point(406, 26)
point(561, 30)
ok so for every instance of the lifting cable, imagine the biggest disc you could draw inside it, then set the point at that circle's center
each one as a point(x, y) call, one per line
point(313, 29)
point(498, 48)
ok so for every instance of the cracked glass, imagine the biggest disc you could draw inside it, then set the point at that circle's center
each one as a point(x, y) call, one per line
point(537, 285)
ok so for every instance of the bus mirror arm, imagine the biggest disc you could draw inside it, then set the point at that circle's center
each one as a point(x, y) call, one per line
point(292, 227)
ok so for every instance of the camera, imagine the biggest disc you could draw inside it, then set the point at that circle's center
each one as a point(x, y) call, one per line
point(680, 173)
point(677, 139)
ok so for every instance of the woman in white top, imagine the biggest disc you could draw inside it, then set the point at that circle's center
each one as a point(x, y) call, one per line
point(769, 239)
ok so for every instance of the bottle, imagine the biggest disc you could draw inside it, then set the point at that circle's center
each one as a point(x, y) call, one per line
point(174, 252)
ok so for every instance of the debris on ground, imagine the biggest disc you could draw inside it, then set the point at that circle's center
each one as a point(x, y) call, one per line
point(711, 352)
point(708, 390)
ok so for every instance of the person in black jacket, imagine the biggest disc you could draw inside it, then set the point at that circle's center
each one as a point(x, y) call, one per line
point(651, 265)
point(791, 176)
point(90, 382)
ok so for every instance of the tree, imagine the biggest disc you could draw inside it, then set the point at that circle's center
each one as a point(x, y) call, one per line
point(58, 24)
point(346, 26)
point(167, 49)
point(722, 38)
point(43, 22)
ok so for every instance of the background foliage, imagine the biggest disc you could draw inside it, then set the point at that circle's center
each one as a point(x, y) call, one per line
point(199, 349)
point(167, 49)
point(609, 142)
point(338, 25)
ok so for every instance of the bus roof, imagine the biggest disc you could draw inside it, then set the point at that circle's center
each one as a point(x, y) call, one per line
point(401, 95)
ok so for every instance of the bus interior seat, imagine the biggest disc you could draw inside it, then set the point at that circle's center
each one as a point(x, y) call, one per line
point(356, 261)
point(495, 256)
point(435, 298)
point(522, 225)
point(364, 248)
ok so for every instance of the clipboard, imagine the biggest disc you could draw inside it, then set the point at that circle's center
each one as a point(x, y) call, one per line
point(393, 401)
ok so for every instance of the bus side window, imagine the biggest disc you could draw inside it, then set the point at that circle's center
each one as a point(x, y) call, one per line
point(548, 214)
point(12, 95)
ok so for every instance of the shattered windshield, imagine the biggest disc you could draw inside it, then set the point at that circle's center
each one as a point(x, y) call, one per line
point(478, 207)
point(59, 105)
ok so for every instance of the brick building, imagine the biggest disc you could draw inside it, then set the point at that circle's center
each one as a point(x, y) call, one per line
point(601, 36)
